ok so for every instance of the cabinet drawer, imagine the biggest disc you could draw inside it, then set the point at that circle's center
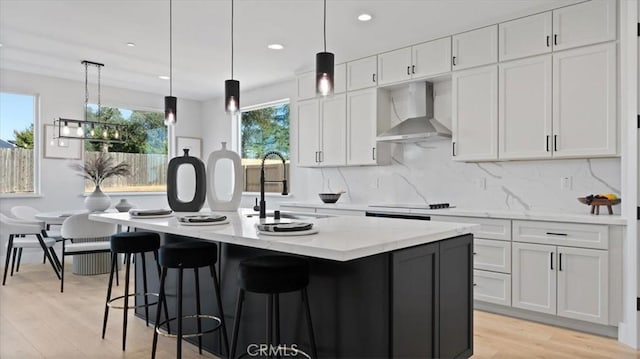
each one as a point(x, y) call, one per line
point(492, 287)
point(492, 255)
point(340, 212)
point(490, 228)
point(563, 234)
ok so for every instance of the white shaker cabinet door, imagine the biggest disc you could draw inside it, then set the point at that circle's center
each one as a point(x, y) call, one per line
point(340, 78)
point(361, 127)
point(525, 108)
point(584, 102)
point(431, 58)
point(583, 284)
point(475, 48)
point(524, 37)
point(587, 23)
point(333, 134)
point(394, 66)
point(362, 73)
point(534, 277)
point(475, 114)
point(308, 132)
point(307, 86)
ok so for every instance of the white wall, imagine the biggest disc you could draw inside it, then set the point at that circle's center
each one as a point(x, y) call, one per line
point(61, 187)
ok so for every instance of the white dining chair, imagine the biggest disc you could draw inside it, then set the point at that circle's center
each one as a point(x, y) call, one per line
point(28, 213)
point(79, 226)
point(21, 235)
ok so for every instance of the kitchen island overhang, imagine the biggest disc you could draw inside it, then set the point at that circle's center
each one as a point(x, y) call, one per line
point(379, 287)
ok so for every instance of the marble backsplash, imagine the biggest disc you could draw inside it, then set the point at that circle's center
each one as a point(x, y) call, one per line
point(424, 173)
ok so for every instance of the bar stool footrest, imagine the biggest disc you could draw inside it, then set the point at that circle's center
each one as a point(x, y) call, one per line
point(189, 335)
point(112, 305)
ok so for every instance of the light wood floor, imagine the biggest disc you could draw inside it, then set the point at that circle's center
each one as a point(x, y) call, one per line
point(37, 321)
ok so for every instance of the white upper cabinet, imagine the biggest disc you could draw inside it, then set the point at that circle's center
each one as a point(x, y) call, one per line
point(431, 58)
point(422, 60)
point(308, 134)
point(362, 73)
point(525, 108)
point(333, 142)
point(584, 106)
point(474, 114)
point(583, 24)
point(523, 37)
point(362, 127)
point(307, 82)
point(394, 66)
point(475, 48)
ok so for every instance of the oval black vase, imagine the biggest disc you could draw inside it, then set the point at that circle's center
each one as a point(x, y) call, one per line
point(200, 194)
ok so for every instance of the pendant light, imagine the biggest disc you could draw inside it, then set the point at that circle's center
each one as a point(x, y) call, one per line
point(231, 87)
point(170, 102)
point(324, 64)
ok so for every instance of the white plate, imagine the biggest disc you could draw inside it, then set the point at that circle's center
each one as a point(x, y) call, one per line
point(154, 216)
point(290, 234)
point(203, 223)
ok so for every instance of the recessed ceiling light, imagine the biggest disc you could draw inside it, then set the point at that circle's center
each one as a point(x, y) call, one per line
point(164, 77)
point(131, 44)
point(275, 46)
point(365, 17)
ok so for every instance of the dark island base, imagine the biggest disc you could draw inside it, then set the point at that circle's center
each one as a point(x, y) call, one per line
point(411, 303)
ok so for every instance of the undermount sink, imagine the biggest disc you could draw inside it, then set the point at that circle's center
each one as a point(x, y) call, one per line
point(291, 215)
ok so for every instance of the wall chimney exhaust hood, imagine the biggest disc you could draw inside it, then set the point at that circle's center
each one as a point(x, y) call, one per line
point(420, 124)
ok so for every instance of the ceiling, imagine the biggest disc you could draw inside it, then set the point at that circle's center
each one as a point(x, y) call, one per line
point(51, 37)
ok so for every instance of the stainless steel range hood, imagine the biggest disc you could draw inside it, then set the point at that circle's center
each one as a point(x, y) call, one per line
point(422, 125)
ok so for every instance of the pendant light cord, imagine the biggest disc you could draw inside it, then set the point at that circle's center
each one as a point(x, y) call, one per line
point(86, 90)
point(325, 26)
point(99, 90)
point(170, 48)
point(232, 39)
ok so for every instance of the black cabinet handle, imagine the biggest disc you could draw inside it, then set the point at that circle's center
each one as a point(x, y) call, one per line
point(453, 149)
point(373, 153)
point(408, 70)
point(555, 142)
point(474, 253)
point(559, 261)
point(547, 143)
point(316, 156)
point(475, 285)
point(556, 234)
point(555, 39)
point(548, 38)
point(551, 256)
point(413, 69)
point(454, 61)
point(374, 77)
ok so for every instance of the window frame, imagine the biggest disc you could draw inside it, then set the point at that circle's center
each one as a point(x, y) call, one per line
point(37, 147)
point(236, 137)
point(171, 147)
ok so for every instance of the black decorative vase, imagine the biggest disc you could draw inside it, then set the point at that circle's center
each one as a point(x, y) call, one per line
point(200, 194)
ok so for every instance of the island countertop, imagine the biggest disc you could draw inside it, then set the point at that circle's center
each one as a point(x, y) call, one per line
point(338, 238)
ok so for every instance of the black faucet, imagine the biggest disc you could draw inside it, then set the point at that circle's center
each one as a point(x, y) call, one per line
point(263, 204)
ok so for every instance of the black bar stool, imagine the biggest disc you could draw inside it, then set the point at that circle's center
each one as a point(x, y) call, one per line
point(189, 254)
point(131, 243)
point(273, 275)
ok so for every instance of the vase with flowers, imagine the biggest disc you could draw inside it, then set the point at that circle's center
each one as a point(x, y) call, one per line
point(97, 169)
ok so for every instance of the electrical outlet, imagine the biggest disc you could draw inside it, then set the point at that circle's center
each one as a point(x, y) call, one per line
point(480, 183)
point(565, 183)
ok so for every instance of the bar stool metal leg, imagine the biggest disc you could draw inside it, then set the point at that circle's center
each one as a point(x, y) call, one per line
point(236, 323)
point(269, 340)
point(216, 284)
point(164, 303)
point(312, 339)
point(126, 301)
point(144, 285)
point(161, 300)
point(179, 341)
point(198, 311)
point(106, 304)
point(276, 308)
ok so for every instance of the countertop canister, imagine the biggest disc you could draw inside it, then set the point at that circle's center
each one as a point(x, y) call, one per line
point(215, 203)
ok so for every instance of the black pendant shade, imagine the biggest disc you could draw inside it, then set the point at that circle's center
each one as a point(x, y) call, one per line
point(324, 73)
point(170, 110)
point(231, 95)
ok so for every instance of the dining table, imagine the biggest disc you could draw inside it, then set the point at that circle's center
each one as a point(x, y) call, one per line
point(84, 264)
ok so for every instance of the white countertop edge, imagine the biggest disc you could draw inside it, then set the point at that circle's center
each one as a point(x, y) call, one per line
point(461, 212)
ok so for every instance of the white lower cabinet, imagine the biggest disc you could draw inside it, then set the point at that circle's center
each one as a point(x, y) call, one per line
point(569, 282)
point(492, 255)
point(492, 287)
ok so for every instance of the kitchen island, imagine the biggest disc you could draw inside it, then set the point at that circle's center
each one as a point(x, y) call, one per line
point(379, 287)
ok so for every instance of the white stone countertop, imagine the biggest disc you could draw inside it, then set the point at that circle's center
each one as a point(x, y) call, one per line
point(603, 218)
point(340, 238)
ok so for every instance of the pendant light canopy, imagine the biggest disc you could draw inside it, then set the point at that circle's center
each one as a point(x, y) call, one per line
point(324, 64)
point(170, 102)
point(231, 87)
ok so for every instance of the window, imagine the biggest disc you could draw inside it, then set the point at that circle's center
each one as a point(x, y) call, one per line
point(264, 129)
point(17, 146)
point(145, 149)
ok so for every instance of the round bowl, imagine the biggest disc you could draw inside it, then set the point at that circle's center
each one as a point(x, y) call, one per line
point(329, 197)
